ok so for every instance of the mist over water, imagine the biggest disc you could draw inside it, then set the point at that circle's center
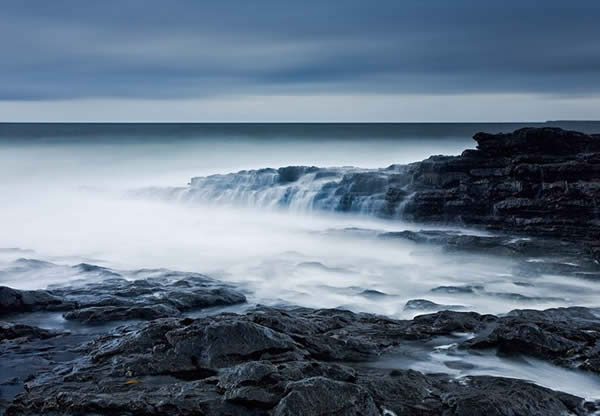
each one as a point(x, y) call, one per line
point(66, 198)
point(69, 198)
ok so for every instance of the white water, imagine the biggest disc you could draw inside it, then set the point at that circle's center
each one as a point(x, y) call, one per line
point(463, 363)
point(65, 201)
point(278, 256)
point(70, 202)
point(322, 190)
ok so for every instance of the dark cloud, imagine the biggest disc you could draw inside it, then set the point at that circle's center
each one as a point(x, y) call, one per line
point(157, 49)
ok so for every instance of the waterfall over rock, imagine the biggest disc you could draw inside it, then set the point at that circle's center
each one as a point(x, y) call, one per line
point(538, 181)
point(377, 192)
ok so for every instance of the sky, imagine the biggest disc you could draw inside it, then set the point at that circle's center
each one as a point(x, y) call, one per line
point(274, 60)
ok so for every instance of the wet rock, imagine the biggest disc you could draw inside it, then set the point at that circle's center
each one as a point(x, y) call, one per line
point(320, 396)
point(159, 293)
point(543, 141)
point(530, 181)
point(15, 301)
point(92, 268)
point(493, 396)
point(9, 331)
point(524, 298)
point(97, 314)
point(404, 392)
point(569, 337)
point(280, 362)
point(466, 289)
point(372, 293)
point(498, 245)
point(256, 383)
point(445, 323)
point(533, 181)
point(293, 173)
point(427, 305)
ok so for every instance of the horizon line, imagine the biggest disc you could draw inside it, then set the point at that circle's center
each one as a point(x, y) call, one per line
point(302, 122)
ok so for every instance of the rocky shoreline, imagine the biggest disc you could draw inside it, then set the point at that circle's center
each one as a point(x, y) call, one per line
point(162, 342)
point(273, 361)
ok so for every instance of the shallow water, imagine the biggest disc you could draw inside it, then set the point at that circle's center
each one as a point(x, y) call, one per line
point(442, 356)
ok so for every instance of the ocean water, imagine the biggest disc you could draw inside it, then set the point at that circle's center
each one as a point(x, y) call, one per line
point(69, 196)
point(73, 193)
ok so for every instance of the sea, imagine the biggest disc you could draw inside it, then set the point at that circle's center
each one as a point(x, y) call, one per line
point(74, 193)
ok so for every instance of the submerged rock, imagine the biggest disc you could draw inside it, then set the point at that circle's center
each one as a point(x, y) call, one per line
point(15, 301)
point(10, 331)
point(568, 337)
point(427, 305)
point(109, 297)
point(487, 396)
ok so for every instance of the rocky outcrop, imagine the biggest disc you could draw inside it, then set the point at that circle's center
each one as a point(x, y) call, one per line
point(14, 301)
point(567, 336)
point(307, 362)
point(427, 305)
point(157, 294)
point(535, 181)
point(11, 331)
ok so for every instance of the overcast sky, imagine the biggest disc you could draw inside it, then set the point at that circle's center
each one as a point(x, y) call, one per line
point(263, 60)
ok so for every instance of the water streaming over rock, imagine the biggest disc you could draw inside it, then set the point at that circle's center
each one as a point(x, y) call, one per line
point(377, 192)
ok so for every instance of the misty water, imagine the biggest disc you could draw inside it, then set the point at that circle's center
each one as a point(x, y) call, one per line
point(70, 196)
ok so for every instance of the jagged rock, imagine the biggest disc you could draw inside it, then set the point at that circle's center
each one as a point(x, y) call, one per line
point(96, 314)
point(544, 141)
point(157, 294)
point(281, 362)
point(14, 301)
point(446, 322)
point(9, 331)
point(568, 337)
point(320, 396)
point(493, 396)
point(534, 181)
point(293, 173)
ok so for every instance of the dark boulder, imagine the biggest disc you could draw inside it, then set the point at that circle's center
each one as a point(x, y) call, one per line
point(318, 396)
point(15, 301)
point(100, 314)
point(10, 331)
point(493, 396)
